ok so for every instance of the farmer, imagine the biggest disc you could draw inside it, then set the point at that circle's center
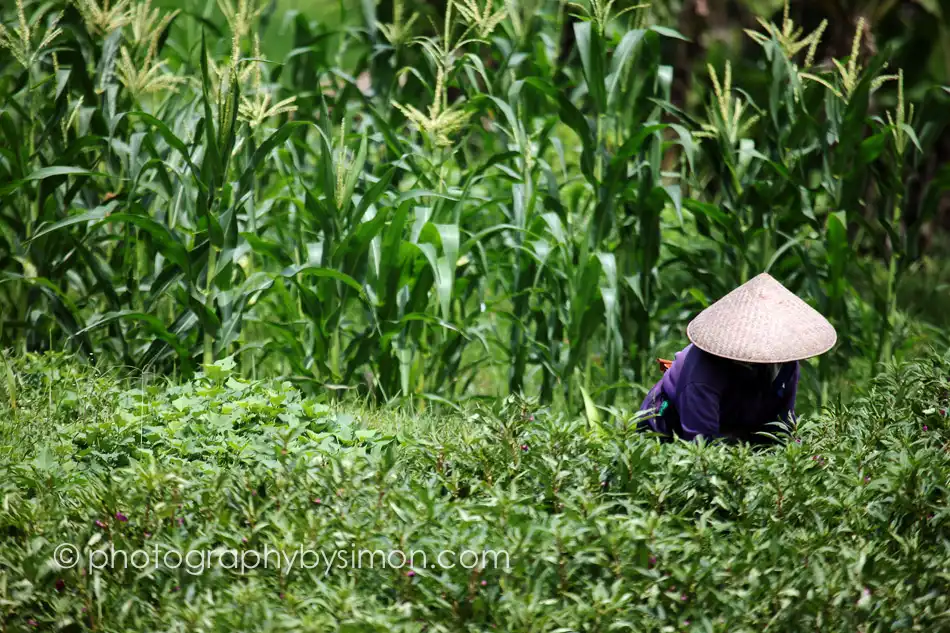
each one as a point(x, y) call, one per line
point(740, 374)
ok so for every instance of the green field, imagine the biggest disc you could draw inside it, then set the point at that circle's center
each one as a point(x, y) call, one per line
point(396, 275)
point(842, 529)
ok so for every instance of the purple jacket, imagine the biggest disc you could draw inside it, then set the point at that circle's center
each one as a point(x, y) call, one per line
point(718, 398)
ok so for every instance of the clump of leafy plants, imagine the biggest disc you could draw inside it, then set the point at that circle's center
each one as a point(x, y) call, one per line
point(841, 528)
point(443, 200)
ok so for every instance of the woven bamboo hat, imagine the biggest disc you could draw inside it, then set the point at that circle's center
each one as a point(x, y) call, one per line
point(762, 321)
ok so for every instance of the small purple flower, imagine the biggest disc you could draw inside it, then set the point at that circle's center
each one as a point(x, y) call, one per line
point(484, 583)
point(318, 501)
point(410, 573)
point(925, 428)
point(867, 479)
point(524, 447)
point(684, 597)
point(32, 622)
point(100, 524)
point(531, 418)
point(148, 535)
point(181, 521)
point(244, 540)
point(685, 622)
point(121, 517)
point(652, 561)
point(798, 440)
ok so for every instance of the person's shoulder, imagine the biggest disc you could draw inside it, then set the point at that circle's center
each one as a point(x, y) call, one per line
point(702, 368)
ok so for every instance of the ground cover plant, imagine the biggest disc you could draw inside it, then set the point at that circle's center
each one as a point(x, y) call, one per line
point(844, 528)
point(393, 275)
point(445, 200)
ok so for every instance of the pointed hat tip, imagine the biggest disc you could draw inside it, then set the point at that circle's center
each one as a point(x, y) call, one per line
point(762, 321)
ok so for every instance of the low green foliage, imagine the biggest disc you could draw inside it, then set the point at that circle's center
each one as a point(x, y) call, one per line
point(844, 528)
point(448, 199)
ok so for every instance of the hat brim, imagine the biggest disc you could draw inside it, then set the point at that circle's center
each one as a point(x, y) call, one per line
point(762, 322)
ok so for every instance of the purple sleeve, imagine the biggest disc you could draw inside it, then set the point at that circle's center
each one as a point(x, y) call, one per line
point(788, 404)
point(699, 411)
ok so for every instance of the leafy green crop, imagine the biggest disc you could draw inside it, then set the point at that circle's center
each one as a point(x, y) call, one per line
point(843, 528)
point(468, 199)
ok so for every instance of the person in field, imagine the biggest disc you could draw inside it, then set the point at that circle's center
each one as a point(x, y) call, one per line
point(739, 375)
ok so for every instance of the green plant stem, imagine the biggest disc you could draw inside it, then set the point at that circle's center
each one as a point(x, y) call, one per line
point(335, 355)
point(209, 304)
point(599, 165)
point(887, 345)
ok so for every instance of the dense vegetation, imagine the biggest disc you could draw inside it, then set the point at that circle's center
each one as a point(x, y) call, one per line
point(236, 241)
point(842, 529)
point(449, 202)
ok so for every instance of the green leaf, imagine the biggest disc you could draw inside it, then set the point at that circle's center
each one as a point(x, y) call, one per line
point(154, 324)
point(912, 135)
point(354, 171)
point(211, 137)
point(312, 270)
point(675, 195)
point(872, 147)
point(839, 253)
point(590, 45)
point(167, 242)
point(50, 172)
point(573, 118)
point(668, 32)
point(267, 247)
point(170, 138)
point(10, 380)
point(220, 370)
point(618, 63)
point(272, 141)
point(82, 218)
point(590, 409)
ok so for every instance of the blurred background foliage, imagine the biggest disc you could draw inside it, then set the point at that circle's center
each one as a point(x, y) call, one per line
point(441, 201)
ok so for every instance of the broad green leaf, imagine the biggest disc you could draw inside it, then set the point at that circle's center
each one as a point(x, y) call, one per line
point(668, 32)
point(49, 172)
point(154, 324)
point(590, 46)
point(621, 57)
point(872, 146)
point(271, 142)
point(445, 277)
point(354, 170)
point(310, 270)
point(82, 218)
point(590, 409)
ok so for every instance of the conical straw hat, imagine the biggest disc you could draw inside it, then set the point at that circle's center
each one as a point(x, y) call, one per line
point(762, 321)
